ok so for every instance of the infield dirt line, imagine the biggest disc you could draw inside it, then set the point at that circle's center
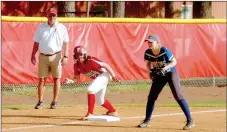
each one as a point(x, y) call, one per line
point(123, 118)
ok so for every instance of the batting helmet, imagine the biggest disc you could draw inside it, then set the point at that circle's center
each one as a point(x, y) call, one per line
point(80, 51)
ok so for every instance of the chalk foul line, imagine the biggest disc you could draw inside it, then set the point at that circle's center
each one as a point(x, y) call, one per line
point(123, 118)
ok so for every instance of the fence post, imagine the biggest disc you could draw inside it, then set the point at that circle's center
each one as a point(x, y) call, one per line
point(214, 83)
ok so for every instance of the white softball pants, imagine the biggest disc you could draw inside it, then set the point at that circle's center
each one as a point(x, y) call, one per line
point(98, 87)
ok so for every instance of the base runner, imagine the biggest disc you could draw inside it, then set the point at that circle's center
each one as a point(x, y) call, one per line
point(101, 73)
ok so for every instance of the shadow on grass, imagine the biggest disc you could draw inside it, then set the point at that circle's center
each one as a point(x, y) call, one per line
point(14, 108)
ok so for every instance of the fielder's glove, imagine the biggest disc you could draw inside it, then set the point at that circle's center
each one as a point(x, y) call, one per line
point(161, 72)
point(157, 72)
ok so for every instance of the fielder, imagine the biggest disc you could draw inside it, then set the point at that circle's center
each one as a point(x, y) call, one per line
point(101, 73)
point(161, 66)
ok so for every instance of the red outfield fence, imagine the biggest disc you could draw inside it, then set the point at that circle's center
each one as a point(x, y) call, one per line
point(199, 48)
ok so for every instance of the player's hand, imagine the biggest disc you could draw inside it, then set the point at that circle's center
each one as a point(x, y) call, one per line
point(68, 81)
point(64, 61)
point(157, 72)
point(33, 59)
point(115, 79)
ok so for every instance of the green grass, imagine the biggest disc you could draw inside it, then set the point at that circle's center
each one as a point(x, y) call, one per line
point(124, 85)
point(32, 91)
point(197, 104)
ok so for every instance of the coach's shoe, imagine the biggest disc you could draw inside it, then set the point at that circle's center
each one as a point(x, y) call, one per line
point(53, 105)
point(111, 113)
point(190, 124)
point(39, 105)
point(145, 123)
point(86, 116)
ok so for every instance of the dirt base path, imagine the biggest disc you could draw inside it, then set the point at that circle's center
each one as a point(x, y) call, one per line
point(67, 119)
point(207, 119)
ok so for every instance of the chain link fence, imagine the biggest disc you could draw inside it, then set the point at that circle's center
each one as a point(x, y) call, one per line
point(130, 85)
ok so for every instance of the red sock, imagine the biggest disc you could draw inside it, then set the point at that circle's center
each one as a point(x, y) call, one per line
point(108, 106)
point(91, 103)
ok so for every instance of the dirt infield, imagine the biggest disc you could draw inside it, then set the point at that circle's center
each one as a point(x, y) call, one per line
point(165, 119)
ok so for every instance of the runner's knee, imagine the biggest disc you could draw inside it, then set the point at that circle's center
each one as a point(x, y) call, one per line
point(90, 92)
point(100, 101)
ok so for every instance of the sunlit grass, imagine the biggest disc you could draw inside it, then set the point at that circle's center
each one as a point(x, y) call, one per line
point(193, 104)
point(32, 91)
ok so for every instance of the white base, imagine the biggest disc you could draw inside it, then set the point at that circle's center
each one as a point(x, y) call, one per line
point(103, 118)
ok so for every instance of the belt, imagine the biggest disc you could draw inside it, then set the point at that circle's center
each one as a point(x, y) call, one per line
point(50, 54)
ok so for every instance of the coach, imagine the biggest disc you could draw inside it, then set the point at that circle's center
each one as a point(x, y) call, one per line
point(51, 39)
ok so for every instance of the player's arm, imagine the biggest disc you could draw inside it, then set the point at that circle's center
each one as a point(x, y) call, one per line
point(65, 48)
point(173, 62)
point(65, 45)
point(171, 58)
point(148, 63)
point(36, 40)
point(34, 50)
point(75, 78)
point(110, 70)
point(149, 67)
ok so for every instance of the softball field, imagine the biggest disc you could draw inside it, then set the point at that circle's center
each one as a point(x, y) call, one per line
point(207, 104)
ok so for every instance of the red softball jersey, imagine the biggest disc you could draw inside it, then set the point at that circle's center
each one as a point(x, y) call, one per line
point(91, 68)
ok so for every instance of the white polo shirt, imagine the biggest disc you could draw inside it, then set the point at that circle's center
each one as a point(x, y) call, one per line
point(51, 39)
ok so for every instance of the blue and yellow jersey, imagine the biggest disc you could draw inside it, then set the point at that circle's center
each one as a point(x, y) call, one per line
point(159, 61)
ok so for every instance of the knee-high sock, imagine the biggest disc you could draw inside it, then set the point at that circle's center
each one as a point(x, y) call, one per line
point(108, 106)
point(149, 109)
point(91, 103)
point(184, 106)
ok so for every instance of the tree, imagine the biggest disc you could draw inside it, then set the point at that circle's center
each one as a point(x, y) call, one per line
point(66, 8)
point(169, 10)
point(202, 9)
point(119, 9)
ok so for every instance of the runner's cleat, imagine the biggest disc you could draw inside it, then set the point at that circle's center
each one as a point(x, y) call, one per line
point(86, 117)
